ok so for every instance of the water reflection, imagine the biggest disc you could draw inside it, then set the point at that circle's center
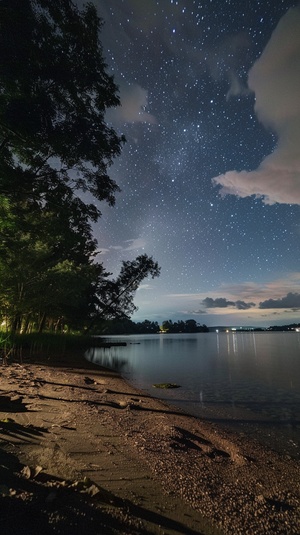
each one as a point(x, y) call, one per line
point(107, 357)
point(237, 378)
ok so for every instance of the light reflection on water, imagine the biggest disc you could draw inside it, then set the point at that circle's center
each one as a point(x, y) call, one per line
point(248, 381)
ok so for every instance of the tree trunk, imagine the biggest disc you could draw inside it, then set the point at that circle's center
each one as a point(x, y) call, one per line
point(16, 324)
point(42, 322)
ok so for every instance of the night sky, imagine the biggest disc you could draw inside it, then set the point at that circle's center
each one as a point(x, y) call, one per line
point(210, 173)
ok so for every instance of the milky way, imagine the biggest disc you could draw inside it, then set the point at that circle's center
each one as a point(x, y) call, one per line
point(201, 84)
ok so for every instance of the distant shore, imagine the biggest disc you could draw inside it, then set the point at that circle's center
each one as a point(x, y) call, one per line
point(149, 468)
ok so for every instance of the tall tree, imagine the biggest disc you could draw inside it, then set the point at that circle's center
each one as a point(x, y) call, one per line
point(115, 297)
point(54, 92)
point(55, 151)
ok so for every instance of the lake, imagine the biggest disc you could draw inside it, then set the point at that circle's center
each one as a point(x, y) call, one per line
point(247, 381)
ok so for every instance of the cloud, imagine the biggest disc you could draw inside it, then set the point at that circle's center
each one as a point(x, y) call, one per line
point(275, 80)
point(236, 86)
point(240, 301)
point(199, 312)
point(116, 247)
point(134, 101)
point(138, 243)
point(251, 291)
point(242, 305)
point(222, 302)
point(127, 245)
point(145, 287)
point(219, 302)
point(291, 300)
point(102, 251)
point(223, 62)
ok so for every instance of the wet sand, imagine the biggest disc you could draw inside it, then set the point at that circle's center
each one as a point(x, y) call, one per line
point(83, 451)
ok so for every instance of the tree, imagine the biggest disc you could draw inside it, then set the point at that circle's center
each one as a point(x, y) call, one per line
point(41, 258)
point(188, 326)
point(167, 326)
point(147, 327)
point(115, 297)
point(191, 326)
point(55, 151)
point(54, 92)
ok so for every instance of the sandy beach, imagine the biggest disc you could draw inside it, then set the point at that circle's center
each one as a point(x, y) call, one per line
point(82, 451)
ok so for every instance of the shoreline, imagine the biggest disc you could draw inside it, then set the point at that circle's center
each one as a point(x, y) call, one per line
point(266, 406)
point(150, 468)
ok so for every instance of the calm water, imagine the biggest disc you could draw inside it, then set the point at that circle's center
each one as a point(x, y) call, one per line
point(246, 381)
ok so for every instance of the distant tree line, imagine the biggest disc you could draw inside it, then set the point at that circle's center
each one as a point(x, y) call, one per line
point(290, 327)
point(127, 326)
point(188, 326)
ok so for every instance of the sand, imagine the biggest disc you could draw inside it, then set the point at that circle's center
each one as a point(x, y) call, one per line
point(82, 451)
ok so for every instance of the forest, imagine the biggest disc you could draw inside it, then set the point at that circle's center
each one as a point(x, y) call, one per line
point(55, 153)
point(127, 326)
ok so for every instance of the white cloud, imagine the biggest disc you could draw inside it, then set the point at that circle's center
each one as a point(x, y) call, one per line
point(102, 251)
point(138, 243)
point(275, 80)
point(223, 62)
point(116, 247)
point(133, 109)
point(145, 287)
point(236, 86)
point(127, 245)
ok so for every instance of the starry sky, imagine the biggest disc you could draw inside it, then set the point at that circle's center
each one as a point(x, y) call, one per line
point(210, 173)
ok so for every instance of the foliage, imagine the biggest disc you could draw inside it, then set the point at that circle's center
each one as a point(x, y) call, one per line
point(6, 347)
point(289, 327)
point(127, 326)
point(55, 151)
point(188, 326)
point(53, 98)
point(116, 295)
